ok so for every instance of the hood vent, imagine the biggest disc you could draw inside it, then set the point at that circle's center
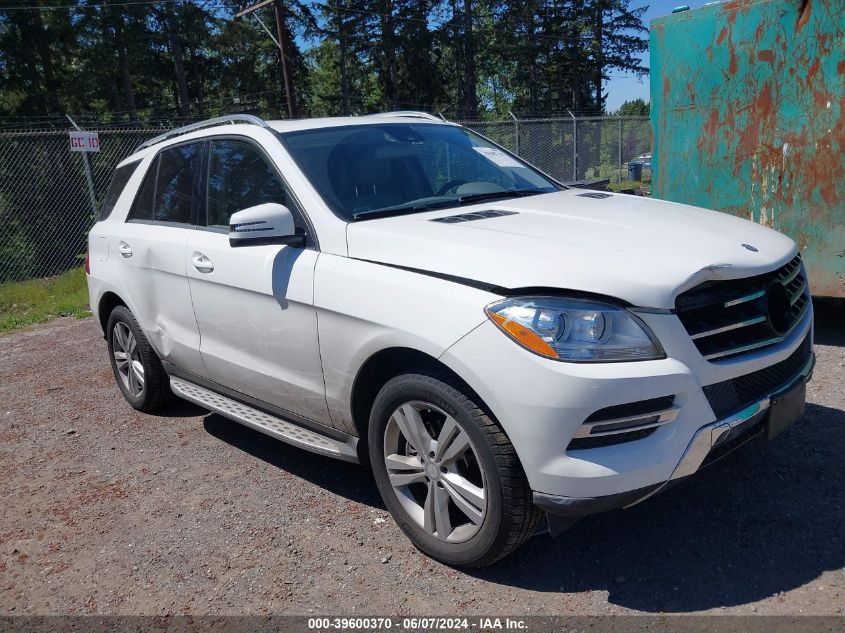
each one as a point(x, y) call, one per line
point(469, 217)
point(595, 194)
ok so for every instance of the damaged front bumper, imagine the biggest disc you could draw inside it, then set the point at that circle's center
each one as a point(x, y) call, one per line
point(769, 415)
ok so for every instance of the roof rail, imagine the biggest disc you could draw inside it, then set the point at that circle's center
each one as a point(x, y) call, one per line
point(413, 114)
point(232, 118)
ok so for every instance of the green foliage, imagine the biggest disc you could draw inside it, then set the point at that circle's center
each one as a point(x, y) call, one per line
point(628, 185)
point(37, 300)
point(637, 107)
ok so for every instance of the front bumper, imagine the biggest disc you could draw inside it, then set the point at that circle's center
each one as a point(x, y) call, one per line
point(542, 405)
point(709, 443)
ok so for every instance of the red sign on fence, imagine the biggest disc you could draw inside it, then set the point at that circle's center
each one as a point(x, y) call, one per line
point(84, 141)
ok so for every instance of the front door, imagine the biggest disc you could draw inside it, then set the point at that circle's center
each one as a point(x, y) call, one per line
point(254, 304)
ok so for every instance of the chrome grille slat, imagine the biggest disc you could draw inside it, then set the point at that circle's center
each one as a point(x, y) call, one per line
point(743, 348)
point(791, 276)
point(628, 423)
point(797, 294)
point(745, 299)
point(728, 328)
point(726, 318)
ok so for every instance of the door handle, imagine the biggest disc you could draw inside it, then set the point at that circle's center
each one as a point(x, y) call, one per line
point(124, 249)
point(202, 263)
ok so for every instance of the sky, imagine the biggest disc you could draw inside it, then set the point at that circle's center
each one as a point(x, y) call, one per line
point(624, 87)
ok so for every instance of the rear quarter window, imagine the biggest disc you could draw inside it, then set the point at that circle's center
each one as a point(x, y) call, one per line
point(142, 206)
point(118, 184)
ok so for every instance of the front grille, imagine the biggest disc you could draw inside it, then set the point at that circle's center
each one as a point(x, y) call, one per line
point(728, 318)
point(735, 394)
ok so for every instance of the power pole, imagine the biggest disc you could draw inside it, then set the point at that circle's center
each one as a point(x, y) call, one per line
point(283, 43)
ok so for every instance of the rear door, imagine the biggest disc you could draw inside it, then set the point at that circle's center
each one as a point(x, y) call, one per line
point(255, 304)
point(151, 251)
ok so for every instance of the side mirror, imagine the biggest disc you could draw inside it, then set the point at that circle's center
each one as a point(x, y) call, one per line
point(269, 223)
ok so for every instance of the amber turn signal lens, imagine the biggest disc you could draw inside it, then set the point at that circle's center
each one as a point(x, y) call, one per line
point(523, 336)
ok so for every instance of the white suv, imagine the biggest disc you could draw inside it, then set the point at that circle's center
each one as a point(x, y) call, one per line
point(398, 290)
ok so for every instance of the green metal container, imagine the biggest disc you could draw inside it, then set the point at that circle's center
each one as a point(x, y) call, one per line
point(748, 113)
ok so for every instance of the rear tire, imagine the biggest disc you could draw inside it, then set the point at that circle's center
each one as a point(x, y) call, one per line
point(455, 486)
point(137, 368)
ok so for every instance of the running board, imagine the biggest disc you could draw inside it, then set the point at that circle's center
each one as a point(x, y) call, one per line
point(266, 423)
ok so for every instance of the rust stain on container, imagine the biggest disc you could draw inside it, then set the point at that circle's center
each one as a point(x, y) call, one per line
point(757, 127)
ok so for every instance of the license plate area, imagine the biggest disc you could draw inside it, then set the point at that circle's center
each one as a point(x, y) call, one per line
point(786, 408)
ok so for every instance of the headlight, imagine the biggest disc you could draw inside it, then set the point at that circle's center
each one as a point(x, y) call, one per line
point(574, 330)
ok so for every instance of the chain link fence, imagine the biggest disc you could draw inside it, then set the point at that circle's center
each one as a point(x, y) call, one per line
point(573, 149)
point(45, 208)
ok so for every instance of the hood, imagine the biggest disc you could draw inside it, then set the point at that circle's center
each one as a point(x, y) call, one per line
point(637, 249)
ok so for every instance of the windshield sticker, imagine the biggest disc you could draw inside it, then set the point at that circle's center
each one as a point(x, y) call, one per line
point(497, 156)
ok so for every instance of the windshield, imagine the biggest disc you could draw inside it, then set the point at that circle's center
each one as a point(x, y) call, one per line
point(366, 171)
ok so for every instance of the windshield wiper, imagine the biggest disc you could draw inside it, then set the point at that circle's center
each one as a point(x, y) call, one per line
point(452, 202)
point(401, 210)
point(492, 195)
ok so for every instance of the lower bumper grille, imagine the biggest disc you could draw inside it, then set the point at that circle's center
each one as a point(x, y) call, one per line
point(622, 423)
point(735, 394)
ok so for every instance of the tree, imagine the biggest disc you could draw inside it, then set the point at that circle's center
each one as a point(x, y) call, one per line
point(617, 40)
point(182, 60)
point(637, 107)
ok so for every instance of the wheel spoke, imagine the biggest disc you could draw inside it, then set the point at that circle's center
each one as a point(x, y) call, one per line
point(429, 522)
point(133, 382)
point(403, 462)
point(441, 512)
point(399, 480)
point(411, 424)
point(452, 441)
point(468, 497)
point(119, 336)
point(121, 360)
point(410, 467)
point(138, 368)
point(436, 512)
point(132, 344)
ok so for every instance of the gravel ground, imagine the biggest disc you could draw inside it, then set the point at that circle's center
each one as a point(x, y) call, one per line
point(106, 510)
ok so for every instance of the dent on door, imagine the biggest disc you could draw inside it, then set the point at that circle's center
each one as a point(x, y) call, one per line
point(153, 273)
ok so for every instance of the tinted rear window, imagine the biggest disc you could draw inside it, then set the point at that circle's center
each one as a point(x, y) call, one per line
point(118, 184)
point(177, 182)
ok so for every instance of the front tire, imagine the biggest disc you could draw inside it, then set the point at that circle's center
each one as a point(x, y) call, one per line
point(447, 472)
point(137, 368)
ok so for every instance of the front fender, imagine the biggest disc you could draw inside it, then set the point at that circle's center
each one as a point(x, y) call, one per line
point(364, 308)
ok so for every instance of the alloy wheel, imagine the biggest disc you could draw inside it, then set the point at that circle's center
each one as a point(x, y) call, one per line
point(435, 471)
point(127, 359)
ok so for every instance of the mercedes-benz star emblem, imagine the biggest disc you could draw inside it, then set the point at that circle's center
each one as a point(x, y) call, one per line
point(748, 247)
point(778, 308)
